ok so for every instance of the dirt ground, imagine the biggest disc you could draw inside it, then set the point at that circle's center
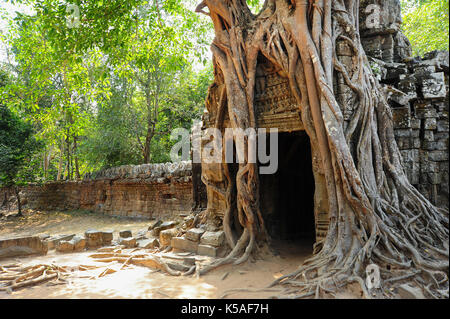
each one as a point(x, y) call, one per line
point(139, 282)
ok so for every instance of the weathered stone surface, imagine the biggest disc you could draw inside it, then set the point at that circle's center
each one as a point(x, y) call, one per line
point(131, 191)
point(125, 234)
point(433, 87)
point(107, 237)
point(129, 242)
point(156, 224)
point(440, 59)
point(163, 226)
point(22, 246)
point(408, 292)
point(165, 236)
point(438, 156)
point(178, 266)
point(94, 238)
point(65, 247)
point(54, 240)
point(148, 243)
point(215, 239)
point(402, 117)
point(184, 244)
point(142, 234)
point(194, 234)
point(207, 250)
point(79, 243)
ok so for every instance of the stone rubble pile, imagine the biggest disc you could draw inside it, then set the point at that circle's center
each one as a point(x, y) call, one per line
point(160, 236)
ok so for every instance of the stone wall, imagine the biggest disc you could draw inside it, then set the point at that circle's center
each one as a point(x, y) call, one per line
point(145, 191)
point(417, 89)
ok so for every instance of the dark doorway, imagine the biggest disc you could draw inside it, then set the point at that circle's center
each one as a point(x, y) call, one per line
point(287, 197)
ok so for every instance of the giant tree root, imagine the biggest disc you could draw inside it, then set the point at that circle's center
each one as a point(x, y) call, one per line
point(14, 278)
point(147, 260)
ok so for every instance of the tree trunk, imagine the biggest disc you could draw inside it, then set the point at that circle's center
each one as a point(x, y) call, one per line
point(61, 161)
point(375, 214)
point(77, 168)
point(152, 118)
point(19, 203)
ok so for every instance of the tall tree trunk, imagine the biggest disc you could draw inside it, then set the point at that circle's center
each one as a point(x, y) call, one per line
point(376, 215)
point(69, 159)
point(61, 161)
point(152, 118)
point(77, 168)
point(19, 203)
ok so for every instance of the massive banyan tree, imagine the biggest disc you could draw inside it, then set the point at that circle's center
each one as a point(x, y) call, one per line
point(375, 214)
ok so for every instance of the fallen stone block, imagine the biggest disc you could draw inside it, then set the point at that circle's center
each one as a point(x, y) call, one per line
point(79, 243)
point(107, 237)
point(142, 234)
point(163, 226)
point(53, 241)
point(206, 250)
point(128, 242)
point(156, 224)
point(125, 234)
point(177, 266)
point(194, 234)
point(165, 236)
point(148, 243)
point(94, 238)
point(184, 244)
point(22, 246)
point(44, 236)
point(215, 239)
point(65, 247)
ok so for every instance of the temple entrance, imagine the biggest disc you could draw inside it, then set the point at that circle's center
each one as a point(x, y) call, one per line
point(287, 197)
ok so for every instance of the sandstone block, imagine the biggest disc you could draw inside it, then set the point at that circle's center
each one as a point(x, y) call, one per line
point(129, 242)
point(434, 86)
point(165, 236)
point(79, 243)
point(215, 239)
point(156, 224)
point(107, 237)
point(148, 243)
point(438, 156)
point(65, 247)
point(125, 234)
point(22, 246)
point(207, 250)
point(94, 238)
point(194, 234)
point(430, 124)
point(163, 226)
point(53, 241)
point(184, 244)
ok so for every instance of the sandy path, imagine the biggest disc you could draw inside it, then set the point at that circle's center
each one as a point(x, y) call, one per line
point(140, 282)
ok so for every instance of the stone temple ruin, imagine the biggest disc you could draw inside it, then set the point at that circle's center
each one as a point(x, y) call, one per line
point(417, 90)
point(292, 204)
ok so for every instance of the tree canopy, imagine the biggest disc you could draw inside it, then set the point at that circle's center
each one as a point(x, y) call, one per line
point(426, 24)
point(103, 82)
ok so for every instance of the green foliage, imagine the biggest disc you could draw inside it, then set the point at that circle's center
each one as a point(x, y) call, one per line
point(426, 24)
point(17, 147)
point(94, 90)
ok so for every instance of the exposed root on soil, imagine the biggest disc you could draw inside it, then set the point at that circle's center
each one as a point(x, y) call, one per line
point(15, 277)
